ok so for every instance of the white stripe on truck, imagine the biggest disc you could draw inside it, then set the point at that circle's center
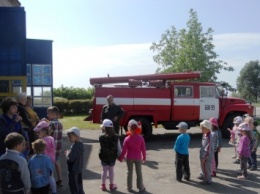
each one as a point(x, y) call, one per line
point(149, 101)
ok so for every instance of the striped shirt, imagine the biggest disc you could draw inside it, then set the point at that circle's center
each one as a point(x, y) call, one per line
point(56, 132)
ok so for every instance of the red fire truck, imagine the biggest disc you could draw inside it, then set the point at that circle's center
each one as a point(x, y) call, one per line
point(167, 99)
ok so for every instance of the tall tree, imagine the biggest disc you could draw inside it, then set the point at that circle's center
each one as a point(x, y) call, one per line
point(248, 82)
point(189, 50)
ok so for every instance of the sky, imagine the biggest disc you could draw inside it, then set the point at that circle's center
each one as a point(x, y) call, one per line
point(93, 38)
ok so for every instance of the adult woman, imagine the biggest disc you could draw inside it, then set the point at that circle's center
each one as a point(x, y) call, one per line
point(33, 117)
point(26, 123)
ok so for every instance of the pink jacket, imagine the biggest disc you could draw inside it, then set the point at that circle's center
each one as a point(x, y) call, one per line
point(133, 148)
point(50, 147)
point(243, 148)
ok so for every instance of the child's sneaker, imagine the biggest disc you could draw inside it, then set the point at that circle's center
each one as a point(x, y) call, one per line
point(214, 174)
point(142, 190)
point(59, 183)
point(103, 187)
point(241, 177)
point(112, 187)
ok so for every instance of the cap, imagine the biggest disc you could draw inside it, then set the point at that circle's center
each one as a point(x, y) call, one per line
point(243, 127)
point(214, 121)
point(238, 120)
point(182, 125)
point(132, 122)
point(106, 123)
point(207, 124)
point(41, 125)
point(74, 130)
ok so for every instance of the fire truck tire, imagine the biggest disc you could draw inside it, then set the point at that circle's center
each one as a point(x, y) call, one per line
point(228, 123)
point(147, 129)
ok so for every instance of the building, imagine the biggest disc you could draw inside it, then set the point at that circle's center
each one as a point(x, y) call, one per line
point(26, 64)
point(10, 3)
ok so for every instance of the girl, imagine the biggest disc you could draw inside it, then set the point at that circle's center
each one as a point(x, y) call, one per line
point(243, 148)
point(42, 130)
point(217, 143)
point(134, 149)
point(235, 136)
point(109, 150)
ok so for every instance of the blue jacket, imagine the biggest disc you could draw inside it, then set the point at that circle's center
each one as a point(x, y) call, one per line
point(41, 168)
point(182, 144)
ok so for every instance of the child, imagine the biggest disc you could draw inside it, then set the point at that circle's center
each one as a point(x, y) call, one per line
point(243, 149)
point(42, 130)
point(11, 122)
point(135, 151)
point(182, 153)
point(252, 162)
point(217, 145)
point(56, 132)
point(75, 161)
point(235, 136)
point(214, 139)
point(41, 168)
point(15, 175)
point(206, 153)
point(110, 148)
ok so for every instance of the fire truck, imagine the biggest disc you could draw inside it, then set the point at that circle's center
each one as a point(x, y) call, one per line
point(167, 99)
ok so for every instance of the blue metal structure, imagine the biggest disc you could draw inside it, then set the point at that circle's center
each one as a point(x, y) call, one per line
point(25, 64)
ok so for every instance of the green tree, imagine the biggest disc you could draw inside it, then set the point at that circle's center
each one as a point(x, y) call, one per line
point(189, 50)
point(248, 82)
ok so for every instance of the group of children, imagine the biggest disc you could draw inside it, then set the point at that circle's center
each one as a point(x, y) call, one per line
point(19, 176)
point(244, 137)
point(110, 150)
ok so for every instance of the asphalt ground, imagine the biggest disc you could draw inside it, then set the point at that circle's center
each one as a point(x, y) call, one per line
point(159, 169)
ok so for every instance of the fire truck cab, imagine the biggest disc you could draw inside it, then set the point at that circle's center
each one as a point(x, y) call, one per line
point(156, 99)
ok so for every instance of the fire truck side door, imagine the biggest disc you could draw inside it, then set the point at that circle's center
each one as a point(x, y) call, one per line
point(209, 104)
point(183, 103)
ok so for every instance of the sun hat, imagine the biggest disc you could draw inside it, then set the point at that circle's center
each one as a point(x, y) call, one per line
point(244, 127)
point(238, 120)
point(106, 123)
point(182, 125)
point(132, 122)
point(41, 125)
point(207, 124)
point(74, 130)
point(214, 121)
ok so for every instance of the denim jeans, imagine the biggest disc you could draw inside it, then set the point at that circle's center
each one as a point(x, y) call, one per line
point(252, 160)
point(138, 170)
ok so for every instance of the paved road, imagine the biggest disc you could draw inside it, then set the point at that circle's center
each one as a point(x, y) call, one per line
point(159, 170)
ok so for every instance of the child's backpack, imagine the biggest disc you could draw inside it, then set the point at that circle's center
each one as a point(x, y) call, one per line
point(108, 150)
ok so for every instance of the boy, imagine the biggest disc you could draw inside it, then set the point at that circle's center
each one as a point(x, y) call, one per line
point(206, 153)
point(56, 132)
point(182, 153)
point(75, 161)
point(14, 172)
point(41, 168)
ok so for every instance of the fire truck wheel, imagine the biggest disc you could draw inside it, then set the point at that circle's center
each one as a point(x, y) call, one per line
point(147, 129)
point(228, 123)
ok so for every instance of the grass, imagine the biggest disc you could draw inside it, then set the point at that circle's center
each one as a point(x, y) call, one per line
point(77, 121)
point(256, 104)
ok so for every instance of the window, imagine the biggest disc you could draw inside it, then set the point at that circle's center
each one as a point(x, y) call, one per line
point(207, 92)
point(42, 96)
point(41, 74)
point(183, 91)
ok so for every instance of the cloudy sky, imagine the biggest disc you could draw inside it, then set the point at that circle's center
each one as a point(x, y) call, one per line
point(92, 38)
